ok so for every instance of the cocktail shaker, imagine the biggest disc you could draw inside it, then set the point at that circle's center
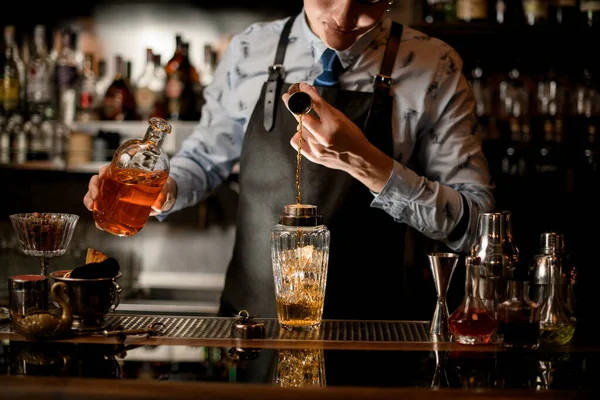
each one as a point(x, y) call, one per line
point(552, 243)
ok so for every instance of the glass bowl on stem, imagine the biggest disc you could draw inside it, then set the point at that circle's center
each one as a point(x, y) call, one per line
point(44, 235)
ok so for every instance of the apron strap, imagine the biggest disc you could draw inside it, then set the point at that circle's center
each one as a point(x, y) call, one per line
point(276, 77)
point(383, 81)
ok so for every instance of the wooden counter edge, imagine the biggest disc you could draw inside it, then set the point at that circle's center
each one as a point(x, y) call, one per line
point(51, 388)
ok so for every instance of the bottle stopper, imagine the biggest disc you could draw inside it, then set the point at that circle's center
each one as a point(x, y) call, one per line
point(299, 102)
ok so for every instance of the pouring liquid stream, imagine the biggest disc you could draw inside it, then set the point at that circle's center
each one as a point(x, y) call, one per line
point(298, 171)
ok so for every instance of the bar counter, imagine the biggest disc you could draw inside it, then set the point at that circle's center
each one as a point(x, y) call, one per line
point(198, 357)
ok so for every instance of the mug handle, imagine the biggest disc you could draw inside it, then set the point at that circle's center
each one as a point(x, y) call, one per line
point(116, 296)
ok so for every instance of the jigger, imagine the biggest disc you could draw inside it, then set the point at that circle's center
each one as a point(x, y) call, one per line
point(442, 267)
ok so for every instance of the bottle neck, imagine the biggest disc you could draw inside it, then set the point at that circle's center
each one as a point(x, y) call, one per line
point(518, 290)
point(155, 136)
point(472, 280)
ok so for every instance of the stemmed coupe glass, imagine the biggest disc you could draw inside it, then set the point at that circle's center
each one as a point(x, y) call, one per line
point(44, 235)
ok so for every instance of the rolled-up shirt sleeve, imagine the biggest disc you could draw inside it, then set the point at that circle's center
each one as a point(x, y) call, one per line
point(449, 181)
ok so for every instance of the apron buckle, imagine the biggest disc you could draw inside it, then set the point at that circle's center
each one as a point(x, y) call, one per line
point(276, 71)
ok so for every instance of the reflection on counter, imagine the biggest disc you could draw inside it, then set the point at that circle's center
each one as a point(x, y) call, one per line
point(538, 371)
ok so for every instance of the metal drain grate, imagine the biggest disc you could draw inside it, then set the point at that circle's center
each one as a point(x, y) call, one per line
point(220, 328)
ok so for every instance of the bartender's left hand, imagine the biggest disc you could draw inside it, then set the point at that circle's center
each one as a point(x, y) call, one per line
point(334, 141)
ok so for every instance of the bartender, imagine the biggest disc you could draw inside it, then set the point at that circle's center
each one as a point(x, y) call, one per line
point(394, 150)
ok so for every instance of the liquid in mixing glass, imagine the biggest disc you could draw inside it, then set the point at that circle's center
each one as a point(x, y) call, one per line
point(123, 204)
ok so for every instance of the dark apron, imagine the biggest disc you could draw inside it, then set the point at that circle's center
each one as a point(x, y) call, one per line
point(366, 276)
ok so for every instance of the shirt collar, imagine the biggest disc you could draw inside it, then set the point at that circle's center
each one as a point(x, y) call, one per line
point(348, 56)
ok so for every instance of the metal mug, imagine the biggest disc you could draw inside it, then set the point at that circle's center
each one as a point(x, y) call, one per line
point(27, 294)
point(91, 299)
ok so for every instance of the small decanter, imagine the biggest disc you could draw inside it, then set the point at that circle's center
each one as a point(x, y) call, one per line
point(471, 323)
point(557, 324)
point(518, 316)
point(133, 181)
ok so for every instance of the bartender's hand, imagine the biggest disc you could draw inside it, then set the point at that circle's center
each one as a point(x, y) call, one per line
point(164, 201)
point(334, 141)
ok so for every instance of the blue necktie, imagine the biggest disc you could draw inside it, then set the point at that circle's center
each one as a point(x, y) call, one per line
point(331, 69)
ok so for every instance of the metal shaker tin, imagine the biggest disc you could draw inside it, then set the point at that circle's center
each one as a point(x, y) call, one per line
point(27, 294)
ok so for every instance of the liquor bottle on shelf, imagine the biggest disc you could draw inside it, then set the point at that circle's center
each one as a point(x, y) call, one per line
point(564, 13)
point(548, 155)
point(514, 122)
point(439, 11)
point(4, 141)
point(590, 10)
point(40, 72)
point(19, 139)
point(67, 77)
point(536, 12)
point(472, 10)
point(9, 78)
point(119, 101)
point(148, 88)
point(471, 323)
point(10, 41)
point(179, 87)
point(102, 83)
point(87, 104)
point(210, 63)
point(160, 78)
point(37, 142)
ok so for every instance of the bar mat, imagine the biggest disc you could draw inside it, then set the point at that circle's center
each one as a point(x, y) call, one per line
point(221, 328)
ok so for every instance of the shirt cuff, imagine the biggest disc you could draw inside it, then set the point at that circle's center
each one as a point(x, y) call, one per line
point(188, 194)
point(397, 191)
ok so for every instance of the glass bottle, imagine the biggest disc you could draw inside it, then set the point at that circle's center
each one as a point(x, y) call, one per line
point(86, 106)
point(180, 83)
point(15, 54)
point(300, 257)
point(40, 71)
point(67, 79)
point(209, 66)
point(590, 9)
point(471, 323)
point(518, 316)
point(145, 97)
point(9, 82)
point(557, 324)
point(471, 10)
point(536, 11)
point(119, 101)
point(158, 83)
point(102, 83)
point(135, 177)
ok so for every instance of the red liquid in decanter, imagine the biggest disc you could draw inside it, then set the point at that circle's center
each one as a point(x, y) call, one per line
point(472, 326)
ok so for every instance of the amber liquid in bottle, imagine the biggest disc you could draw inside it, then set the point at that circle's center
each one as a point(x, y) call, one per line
point(135, 177)
point(123, 206)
